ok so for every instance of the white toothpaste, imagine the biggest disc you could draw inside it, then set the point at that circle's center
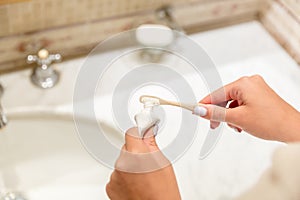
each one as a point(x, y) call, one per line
point(149, 101)
point(147, 118)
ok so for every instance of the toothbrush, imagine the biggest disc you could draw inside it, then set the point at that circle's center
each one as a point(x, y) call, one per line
point(153, 100)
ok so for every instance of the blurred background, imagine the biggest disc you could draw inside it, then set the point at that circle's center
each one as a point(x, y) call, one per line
point(41, 156)
point(74, 27)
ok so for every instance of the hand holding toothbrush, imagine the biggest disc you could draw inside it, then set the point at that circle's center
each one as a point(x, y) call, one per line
point(253, 107)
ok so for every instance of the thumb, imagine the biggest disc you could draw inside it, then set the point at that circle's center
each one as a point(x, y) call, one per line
point(135, 144)
point(140, 155)
point(216, 113)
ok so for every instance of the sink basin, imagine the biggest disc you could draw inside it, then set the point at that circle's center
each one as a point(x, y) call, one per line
point(42, 158)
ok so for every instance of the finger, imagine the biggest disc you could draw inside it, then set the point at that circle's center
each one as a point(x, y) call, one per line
point(224, 94)
point(211, 112)
point(218, 113)
point(214, 124)
point(140, 155)
point(140, 145)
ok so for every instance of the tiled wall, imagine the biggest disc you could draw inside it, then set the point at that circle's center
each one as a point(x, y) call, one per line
point(36, 15)
point(282, 19)
point(293, 5)
point(74, 27)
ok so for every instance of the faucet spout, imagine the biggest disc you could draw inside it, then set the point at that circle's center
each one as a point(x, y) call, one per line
point(3, 119)
point(165, 14)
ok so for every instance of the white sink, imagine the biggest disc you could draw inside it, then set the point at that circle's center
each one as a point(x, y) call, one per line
point(44, 159)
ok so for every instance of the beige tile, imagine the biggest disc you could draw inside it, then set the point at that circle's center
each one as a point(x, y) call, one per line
point(293, 5)
point(4, 21)
point(74, 26)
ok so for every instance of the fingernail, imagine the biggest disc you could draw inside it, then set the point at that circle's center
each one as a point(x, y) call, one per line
point(213, 125)
point(201, 111)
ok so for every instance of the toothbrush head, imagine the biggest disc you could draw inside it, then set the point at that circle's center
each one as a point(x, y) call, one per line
point(149, 101)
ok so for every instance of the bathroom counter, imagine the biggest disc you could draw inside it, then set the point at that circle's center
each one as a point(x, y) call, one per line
point(238, 159)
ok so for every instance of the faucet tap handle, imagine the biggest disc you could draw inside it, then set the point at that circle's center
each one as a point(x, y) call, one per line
point(43, 54)
point(31, 59)
point(43, 57)
point(55, 57)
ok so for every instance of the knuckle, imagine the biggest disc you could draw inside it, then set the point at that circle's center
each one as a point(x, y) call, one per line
point(237, 91)
point(257, 77)
point(242, 82)
point(244, 79)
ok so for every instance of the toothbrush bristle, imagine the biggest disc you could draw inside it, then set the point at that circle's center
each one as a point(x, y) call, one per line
point(152, 99)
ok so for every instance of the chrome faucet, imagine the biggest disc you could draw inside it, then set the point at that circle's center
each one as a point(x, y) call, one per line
point(165, 14)
point(3, 119)
point(43, 75)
